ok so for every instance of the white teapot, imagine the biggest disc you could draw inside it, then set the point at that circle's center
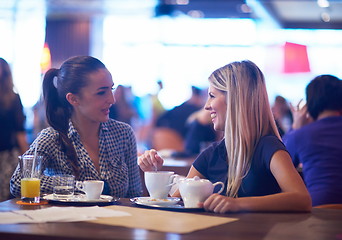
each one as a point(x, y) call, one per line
point(196, 190)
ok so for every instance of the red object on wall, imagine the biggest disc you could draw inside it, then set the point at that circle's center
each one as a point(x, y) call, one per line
point(45, 61)
point(295, 58)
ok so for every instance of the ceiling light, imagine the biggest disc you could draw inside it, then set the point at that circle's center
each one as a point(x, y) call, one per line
point(323, 3)
point(177, 2)
point(245, 8)
point(196, 14)
point(182, 2)
point(325, 17)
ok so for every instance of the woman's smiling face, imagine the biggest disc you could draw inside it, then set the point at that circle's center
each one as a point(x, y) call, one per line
point(217, 106)
point(96, 98)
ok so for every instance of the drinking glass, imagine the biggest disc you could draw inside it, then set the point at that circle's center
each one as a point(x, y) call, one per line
point(63, 186)
point(30, 166)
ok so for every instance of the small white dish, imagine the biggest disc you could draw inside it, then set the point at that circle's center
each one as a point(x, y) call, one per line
point(155, 201)
point(79, 198)
point(171, 204)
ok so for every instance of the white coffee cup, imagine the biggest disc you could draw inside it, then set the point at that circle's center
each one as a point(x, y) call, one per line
point(92, 188)
point(196, 190)
point(159, 183)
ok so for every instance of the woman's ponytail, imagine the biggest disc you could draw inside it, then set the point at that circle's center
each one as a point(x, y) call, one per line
point(58, 113)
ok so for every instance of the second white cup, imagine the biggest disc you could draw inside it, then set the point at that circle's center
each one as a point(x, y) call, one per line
point(92, 188)
point(159, 183)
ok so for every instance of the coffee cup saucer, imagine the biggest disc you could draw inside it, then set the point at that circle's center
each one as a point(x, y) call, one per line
point(175, 205)
point(156, 201)
point(80, 199)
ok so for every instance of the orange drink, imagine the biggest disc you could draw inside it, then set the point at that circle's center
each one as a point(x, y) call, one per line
point(30, 189)
point(30, 166)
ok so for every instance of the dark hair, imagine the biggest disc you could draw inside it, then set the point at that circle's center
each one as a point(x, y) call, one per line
point(196, 91)
point(57, 83)
point(7, 94)
point(324, 92)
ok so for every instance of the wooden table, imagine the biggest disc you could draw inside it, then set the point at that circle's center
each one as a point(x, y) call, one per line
point(320, 224)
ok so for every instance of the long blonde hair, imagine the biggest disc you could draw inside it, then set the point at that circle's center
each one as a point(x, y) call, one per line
point(248, 118)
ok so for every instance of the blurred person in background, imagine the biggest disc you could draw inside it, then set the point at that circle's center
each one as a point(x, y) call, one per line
point(13, 139)
point(282, 114)
point(149, 109)
point(251, 160)
point(176, 118)
point(316, 137)
point(39, 117)
point(122, 110)
point(200, 134)
point(157, 107)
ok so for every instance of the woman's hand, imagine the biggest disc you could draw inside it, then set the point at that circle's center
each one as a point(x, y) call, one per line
point(220, 204)
point(150, 161)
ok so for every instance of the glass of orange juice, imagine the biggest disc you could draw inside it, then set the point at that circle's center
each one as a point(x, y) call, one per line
point(30, 178)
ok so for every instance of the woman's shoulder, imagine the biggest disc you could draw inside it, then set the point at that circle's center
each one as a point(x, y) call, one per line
point(269, 139)
point(270, 142)
point(214, 154)
point(46, 140)
point(267, 146)
point(47, 135)
point(48, 131)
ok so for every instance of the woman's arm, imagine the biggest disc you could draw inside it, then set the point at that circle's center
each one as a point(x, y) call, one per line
point(294, 195)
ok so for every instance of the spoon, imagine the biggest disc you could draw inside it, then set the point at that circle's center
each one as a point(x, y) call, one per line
point(155, 165)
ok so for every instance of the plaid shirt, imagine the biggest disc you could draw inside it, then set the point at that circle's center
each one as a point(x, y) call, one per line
point(118, 160)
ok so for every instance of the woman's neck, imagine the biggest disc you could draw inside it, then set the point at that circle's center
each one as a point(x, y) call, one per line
point(86, 128)
point(89, 135)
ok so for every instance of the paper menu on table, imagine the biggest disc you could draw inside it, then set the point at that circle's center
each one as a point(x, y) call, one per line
point(163, 221)
point(59, 214)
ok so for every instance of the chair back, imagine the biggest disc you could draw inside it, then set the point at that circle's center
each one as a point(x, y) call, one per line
point(166, 138)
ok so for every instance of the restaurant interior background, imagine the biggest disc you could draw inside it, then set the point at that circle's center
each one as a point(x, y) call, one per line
point(177, 41)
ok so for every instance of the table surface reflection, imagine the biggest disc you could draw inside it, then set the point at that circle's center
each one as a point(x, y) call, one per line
point(319, 224)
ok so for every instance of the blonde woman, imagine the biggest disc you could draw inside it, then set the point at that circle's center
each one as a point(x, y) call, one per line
point(260, 176)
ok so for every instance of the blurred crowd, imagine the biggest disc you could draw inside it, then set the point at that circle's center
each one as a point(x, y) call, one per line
point(190, 121)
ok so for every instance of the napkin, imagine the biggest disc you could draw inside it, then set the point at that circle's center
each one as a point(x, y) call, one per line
point(163, 221)
point(59, 214)
point(11, 217)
